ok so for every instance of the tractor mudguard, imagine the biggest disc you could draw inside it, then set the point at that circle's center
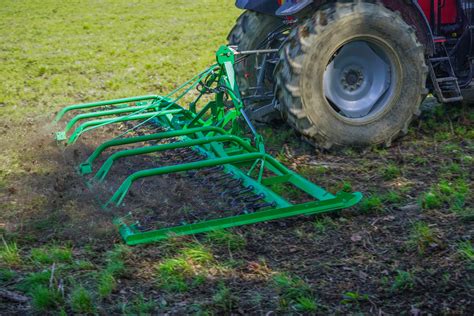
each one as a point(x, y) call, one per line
point(273, 7)
point(262, 6)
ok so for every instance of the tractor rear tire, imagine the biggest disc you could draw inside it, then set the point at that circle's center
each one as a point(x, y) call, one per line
point(250, 30)
point(307, 53)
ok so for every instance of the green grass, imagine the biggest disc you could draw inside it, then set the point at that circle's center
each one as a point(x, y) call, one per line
point(322, 225)
point(223, 300)
point(9, 253)
point(115, 268)
point(354, 298)
point(33, 280)
point(404, 281)
point(186, 270)
point(371, 203)
point(81, 301)
point(45, 299)
point(48, 255)
point(451, 193)
point(421, 237)
point(74, 52)
point(6, 275)
point(466, 251)
point(106, 285)
point(294, 292)
point(391, 172)
point(139, 306)
point(224, 238)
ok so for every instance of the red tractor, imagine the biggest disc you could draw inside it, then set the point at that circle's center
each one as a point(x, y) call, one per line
point(353, 72)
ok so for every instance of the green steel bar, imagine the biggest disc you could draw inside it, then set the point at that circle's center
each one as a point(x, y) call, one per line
point(81, 128)
point(342, 200)
point(121, 192)
point(107, 165)
point(86, 167)
point(61, 135)
point(63, 111)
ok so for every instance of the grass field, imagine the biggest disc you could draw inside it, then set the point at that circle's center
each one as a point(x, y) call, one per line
point(407, 248)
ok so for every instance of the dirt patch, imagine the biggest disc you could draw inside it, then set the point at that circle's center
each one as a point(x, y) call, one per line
point(369, 250)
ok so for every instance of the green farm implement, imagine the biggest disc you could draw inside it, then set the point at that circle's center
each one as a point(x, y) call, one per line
point(215, 132)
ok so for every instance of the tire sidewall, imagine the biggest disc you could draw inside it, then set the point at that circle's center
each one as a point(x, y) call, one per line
point(378, 25)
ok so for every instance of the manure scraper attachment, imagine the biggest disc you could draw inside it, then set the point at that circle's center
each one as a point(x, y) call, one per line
point(213, 135)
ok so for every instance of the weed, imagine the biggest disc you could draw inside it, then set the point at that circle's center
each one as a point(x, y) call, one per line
point(82, 301)
point(445, 192)
point(6, 275)
point(421, 237)
point(83, 265)
point(371, 203)
point(178, 274)
point(419, 160)
point(107, 284)
point(115, 260)
point(306, 304)
point(45, 299)
point(197, 254)
point(466, 250)
point(350, 298)
point(34, 280)
point(48, 255)
point(9, 253)
point(391, 172)
point(404, 280)
point(431, 200)
point(224, 238)
point(286, 190)
point(172, 274)
point(452, 168)
point(139, 306)
point(223, 299)
point(323, 224)
point(392, 197)
point(308, 171)
point(293, 291)
point(346, 187)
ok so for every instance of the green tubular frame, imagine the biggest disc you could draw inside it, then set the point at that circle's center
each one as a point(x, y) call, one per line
point(211, 131)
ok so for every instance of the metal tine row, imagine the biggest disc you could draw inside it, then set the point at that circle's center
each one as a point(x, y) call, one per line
point(239, 197)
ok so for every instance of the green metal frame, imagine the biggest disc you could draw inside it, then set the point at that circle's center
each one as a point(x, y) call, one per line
point(212, 131)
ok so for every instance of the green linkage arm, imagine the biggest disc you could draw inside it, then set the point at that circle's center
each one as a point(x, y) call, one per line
point(86, 167)
point(84, 116)
point(63, 111)
point(107, 165)
point(97, 123)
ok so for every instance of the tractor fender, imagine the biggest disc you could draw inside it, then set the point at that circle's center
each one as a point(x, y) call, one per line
point(261, 6)
point(412, 13)
point(273, 7)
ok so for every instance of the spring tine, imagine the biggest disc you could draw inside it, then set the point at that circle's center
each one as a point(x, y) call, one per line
point(242, 191)
point(254, 198)
point(262, 205)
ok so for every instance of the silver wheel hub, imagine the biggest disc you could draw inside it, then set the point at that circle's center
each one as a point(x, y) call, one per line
point(358, 79)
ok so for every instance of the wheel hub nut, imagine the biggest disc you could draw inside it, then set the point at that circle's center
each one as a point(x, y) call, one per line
point(352, 78)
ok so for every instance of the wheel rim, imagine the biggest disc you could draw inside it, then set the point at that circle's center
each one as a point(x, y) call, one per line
point(359, 80)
